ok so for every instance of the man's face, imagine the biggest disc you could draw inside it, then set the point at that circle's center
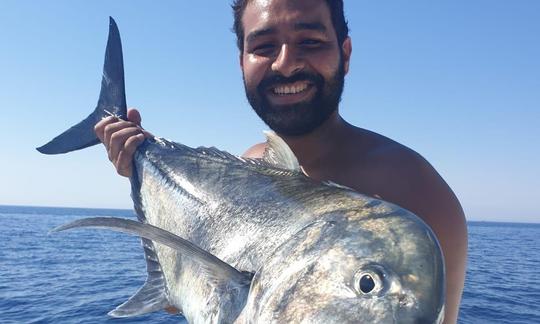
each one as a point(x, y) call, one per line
point(292, 64)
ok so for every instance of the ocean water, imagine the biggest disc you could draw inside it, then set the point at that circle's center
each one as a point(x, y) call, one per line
point(78, 276)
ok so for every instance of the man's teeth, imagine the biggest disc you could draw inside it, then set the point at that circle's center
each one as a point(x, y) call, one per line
point(283, 90)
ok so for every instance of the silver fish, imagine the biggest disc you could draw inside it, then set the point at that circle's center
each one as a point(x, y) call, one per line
point(234, 240)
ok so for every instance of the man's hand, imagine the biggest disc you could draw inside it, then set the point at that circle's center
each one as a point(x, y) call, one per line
point(121, 138)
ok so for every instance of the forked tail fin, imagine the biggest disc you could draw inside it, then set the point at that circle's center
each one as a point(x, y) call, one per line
point(112, 100)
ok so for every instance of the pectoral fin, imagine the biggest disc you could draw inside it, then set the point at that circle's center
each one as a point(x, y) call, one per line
point(217, 271)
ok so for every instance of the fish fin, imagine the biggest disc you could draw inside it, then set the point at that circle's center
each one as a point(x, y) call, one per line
point(278, 153)
point(219, 272)
point(112, 101)
point(152, 296)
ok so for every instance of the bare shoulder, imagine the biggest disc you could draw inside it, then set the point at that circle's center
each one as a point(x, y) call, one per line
point(404, 176)
point(421, 187)
point(410, 181)
point(256, 151)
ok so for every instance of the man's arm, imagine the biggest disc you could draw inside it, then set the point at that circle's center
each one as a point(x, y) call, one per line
point(441, 210)
point(427, 195)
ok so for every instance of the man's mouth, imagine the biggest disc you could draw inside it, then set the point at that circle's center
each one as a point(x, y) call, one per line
point(290, 93)
point(290, 89)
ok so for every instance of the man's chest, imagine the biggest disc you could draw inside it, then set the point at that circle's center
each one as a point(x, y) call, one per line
point(376, 181)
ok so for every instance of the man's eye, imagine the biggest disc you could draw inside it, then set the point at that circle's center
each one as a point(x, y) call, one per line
point(263, 49)
point(310, 42)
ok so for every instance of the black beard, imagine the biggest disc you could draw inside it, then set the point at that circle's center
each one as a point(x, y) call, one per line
point(301, 118)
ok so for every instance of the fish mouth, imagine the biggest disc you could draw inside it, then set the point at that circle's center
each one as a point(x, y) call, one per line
point(410, 310)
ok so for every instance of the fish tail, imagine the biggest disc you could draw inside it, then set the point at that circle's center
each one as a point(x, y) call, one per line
point(112, 101)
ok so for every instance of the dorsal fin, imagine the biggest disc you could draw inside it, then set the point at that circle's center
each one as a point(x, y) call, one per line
point(278, 153)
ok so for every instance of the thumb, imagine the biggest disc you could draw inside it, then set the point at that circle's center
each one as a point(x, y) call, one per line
point(134, 116)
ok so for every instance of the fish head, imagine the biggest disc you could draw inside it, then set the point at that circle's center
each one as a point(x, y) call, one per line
point(352, 269)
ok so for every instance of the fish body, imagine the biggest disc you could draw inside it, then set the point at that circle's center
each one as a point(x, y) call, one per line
point(234, 240)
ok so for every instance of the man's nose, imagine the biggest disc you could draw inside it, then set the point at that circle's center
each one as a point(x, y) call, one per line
point(288, 61)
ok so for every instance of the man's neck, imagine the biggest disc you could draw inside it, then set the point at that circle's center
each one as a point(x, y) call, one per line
point(313, 149)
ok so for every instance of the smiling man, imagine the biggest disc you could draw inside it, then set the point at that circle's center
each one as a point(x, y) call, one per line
point(292, 64)
point(294, 56)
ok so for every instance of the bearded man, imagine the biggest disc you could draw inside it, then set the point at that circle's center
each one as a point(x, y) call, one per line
point(294, 56)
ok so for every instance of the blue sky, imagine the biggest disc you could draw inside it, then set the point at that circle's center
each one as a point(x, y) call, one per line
point(458, 81)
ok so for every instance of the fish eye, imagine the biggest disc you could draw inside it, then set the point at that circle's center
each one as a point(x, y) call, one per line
point(369, 281)
point(367, 284)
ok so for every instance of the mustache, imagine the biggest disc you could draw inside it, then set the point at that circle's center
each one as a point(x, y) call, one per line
point(276, 79)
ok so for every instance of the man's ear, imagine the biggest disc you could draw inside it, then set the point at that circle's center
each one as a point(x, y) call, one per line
point(346, 49)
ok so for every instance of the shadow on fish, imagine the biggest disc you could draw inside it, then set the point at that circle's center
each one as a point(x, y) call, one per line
point(234, 240)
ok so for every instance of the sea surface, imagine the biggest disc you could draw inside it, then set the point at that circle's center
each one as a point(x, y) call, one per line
point(79, 276)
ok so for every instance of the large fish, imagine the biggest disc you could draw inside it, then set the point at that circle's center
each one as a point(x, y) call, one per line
point(228, 239)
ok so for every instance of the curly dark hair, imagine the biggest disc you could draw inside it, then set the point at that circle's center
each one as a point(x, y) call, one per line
point(336, 12)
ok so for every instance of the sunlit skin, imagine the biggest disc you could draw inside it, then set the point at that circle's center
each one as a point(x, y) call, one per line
point(287, 37)
point(287, 41)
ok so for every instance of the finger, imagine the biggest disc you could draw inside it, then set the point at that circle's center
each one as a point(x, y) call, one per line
point(124, 162)
point(112, 128)
point(119, 140)
point(99, 128)
point(134, 116)
point(123, 169)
